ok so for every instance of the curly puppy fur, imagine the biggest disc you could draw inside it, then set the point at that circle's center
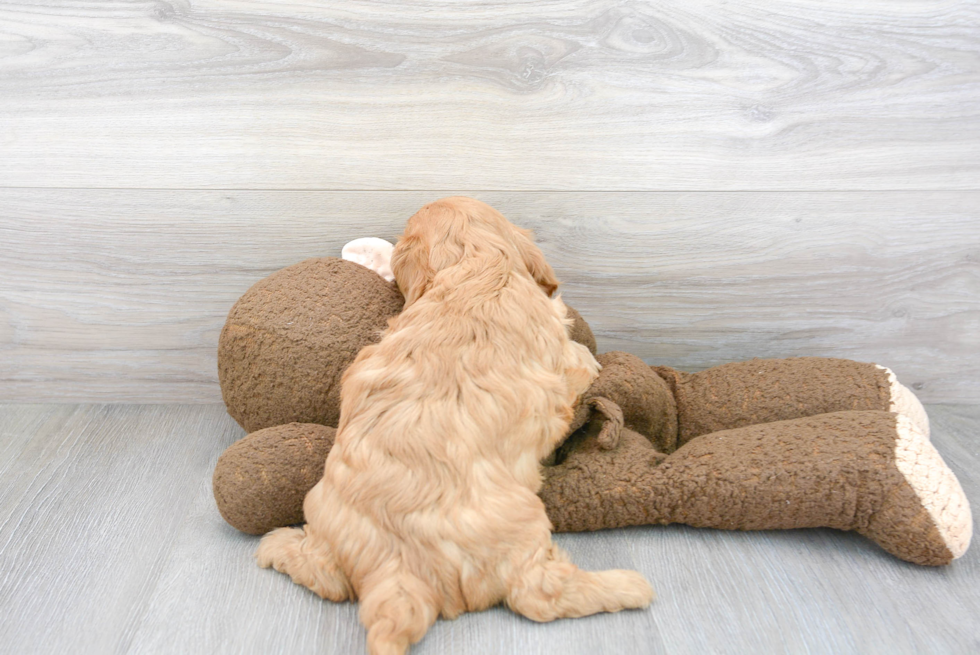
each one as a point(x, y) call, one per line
point(428, 504)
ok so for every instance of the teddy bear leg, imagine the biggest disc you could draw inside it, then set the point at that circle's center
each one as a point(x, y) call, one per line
point(869, 471)
point(763, 390)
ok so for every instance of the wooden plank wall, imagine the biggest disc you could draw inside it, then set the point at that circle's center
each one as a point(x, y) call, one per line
point(713, 181)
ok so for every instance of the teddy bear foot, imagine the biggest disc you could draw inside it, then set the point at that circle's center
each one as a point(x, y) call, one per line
point(903, 401)
point(926, 520)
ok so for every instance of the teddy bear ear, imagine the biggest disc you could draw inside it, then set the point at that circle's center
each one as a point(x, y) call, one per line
point(411, 267)
point(537, 265)
point(370, 252)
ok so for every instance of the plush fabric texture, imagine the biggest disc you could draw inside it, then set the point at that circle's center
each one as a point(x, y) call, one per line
point(260, 481)
point(581, 331)
point(835, 470)
point(372, 252)
point(934, 484)
point(763, 444)
point(845, 470)
point(643, 398)
point(288, 340)
point(646, 400)
point(765, 390)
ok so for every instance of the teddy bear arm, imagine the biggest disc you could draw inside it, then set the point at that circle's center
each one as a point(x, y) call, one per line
point(644, 399)
point(763, 390)
point(592, 487)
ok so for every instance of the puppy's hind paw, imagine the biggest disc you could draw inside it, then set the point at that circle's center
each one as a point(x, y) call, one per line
point(279, 546)
point(307, 561)
point(557, 589)
point(634, 590)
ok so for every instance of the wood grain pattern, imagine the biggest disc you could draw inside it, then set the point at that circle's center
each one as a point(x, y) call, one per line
point(89, 511)
point(118, 295)
point(565, 94)
point(158, 157)
point(110, 543)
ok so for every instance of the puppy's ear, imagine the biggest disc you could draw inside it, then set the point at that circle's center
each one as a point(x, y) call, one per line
point(410, 265)
point(537, 265)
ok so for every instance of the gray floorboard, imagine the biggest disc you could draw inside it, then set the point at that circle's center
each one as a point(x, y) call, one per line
point(110, 543)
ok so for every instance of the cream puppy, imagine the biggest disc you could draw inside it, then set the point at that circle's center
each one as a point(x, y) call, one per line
point(428, 504)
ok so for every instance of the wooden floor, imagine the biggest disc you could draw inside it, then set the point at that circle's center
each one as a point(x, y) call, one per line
point(110, 542)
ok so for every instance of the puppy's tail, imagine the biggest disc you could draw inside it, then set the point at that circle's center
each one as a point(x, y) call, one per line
point(306, 559)
point(397, 608)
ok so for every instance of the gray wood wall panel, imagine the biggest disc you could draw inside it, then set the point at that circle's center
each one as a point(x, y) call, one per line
point(565, 94)
point(119, 295)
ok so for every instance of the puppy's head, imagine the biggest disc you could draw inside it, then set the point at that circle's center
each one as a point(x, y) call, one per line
point(443, 233)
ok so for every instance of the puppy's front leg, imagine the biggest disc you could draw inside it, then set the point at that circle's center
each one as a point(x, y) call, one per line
point(548, 586)
point(581, 369)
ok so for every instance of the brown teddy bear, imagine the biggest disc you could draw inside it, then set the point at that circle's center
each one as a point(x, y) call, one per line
point(763, 444)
